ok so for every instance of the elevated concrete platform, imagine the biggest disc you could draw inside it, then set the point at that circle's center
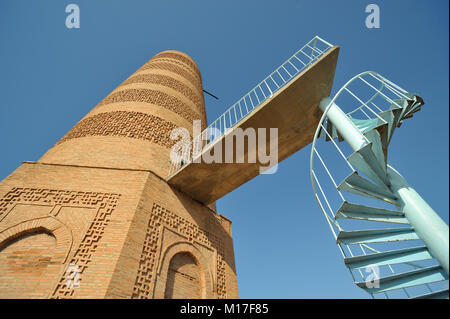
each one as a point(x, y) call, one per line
point(294, 110)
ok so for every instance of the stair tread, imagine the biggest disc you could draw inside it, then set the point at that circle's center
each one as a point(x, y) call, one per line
point(356, 184)
point(404, 255)
point(351, 207)
point(407, 279)
point(376, 235)
point(440, 294)
point(354, 211)
point(378, 144)
point(366, 161)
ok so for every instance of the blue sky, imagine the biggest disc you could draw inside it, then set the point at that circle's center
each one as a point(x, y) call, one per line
point(52, 76)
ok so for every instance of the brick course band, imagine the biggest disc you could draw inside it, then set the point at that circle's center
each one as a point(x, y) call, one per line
point(181, 64)
point(126, 124)
point(168, 82)
point(155, 97)
point(180, 58)
point(172, 68)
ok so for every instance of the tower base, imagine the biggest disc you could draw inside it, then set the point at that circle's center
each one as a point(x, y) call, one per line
point(70, 231)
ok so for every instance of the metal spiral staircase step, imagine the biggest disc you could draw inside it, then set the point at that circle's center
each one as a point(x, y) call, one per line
point(399, 110)
point(391, 117)
point(366, 124)
point(408, 107)
point(441, 294)
point(408, 116)
point(369, 139)
point(376, 235)
point(366, 162)
point(389, 257)
point(379, 138)
point(355, 211)
point(414, 102)
point(360, 186)
point(331, 129)
point(321, 133)
point(416, 109)
point(407, 279)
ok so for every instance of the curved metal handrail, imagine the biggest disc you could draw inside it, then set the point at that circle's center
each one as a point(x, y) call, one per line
point(316, 134)
point(398, 91)
point(324, 115)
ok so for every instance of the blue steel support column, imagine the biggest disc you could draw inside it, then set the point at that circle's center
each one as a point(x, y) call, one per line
point(427, 224)
point(346, 128)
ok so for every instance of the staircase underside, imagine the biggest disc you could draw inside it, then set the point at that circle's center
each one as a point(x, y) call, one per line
point(294, 110)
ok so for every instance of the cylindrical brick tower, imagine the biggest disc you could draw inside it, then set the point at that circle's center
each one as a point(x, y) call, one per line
point(95, 217)
point(130, 128)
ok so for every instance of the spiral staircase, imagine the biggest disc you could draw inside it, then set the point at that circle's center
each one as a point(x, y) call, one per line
point(386, 261)
point(350, 146)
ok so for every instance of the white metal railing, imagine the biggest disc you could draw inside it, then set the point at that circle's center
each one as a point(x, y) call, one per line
point(374, 93)
point(363, 97)
point(279, 78)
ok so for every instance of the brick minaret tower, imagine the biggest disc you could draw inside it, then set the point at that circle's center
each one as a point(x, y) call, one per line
point(96, 209)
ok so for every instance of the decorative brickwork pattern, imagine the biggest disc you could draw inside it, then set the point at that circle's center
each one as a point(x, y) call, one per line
point(168, 82)
point(52, 226)
point(169, 66)
point(179, 57)
point(160, 216)
point(127, 124)
point(125, 249)
point(178, 63)
point(104, 202)
point(155, 97)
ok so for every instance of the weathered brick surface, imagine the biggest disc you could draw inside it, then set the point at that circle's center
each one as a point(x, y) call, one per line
point(124, 123)
point(98, 201)
point(184, 277)
point(27, 257)
point(168, 82)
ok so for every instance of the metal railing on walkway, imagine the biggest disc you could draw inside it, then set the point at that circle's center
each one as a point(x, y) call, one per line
point(296, 64)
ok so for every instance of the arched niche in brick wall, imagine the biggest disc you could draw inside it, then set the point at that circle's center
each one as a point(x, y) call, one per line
point(32, 256)
point(184, 273)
